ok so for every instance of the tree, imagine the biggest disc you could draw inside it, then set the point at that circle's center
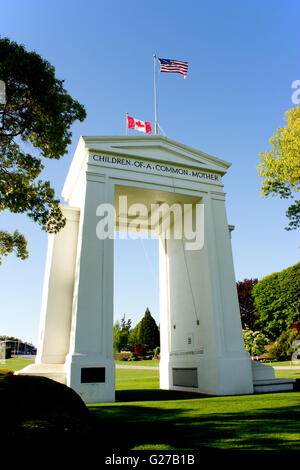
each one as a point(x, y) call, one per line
point(133, 338)
point(282, 348)
point(280, 167)
point(121, 334)
point(125, 325)
point(148, 333)
point(244, 290)
point(277, 301)
point(11, 338)
point(117, 337)
point(36, 110)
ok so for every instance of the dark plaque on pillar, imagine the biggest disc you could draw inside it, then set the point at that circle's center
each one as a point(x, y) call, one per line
point(92, 375)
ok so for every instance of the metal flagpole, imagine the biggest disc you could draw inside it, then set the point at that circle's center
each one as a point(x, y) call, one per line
point(155, 103)
point(126, 123)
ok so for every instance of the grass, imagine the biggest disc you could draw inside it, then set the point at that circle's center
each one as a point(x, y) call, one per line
point(15, 363)
point(179, 421)
point(151, 419)
point(285, 364)
point(287, 374)
point(139, 379)
point(167, 420)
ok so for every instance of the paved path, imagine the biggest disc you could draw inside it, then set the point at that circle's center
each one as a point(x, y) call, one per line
point(136, 367)
point(287, 367)
point(156, 368)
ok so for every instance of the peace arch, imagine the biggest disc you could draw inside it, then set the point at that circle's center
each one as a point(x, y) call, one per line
point(202, 347)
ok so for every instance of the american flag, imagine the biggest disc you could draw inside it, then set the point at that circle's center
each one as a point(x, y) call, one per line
point(173, 66)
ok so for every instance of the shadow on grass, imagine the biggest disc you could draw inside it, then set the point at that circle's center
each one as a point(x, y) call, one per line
point(297, 385)
point(154, 395)
point(165, 395)
point(132, 426)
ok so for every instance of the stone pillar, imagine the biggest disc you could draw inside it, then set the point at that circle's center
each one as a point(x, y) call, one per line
point(201, 337)
point(234, 366)
point(57, 300)
point(90, 364)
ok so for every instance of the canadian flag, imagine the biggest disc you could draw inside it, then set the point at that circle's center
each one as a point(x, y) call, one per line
point(138, 125)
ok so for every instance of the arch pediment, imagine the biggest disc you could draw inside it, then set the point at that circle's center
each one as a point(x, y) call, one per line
point(154, 154)
point(156, 148)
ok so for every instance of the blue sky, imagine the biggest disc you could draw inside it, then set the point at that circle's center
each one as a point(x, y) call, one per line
point(243, 57)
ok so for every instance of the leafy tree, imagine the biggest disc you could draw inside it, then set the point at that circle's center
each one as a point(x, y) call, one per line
point(117, 336)
point(244, 290)
point(148, 333)
point(133, 338)
point(36, 110)
point(280, 167)
point(121, 334)
point(282, 348)
point(277, 301)
point(255, 342)
point(125, 325)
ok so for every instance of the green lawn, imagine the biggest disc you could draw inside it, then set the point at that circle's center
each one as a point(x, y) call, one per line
point(155, 419)
point(15, 363)
point(176, 420)
point(149, 418)
point(155, 363)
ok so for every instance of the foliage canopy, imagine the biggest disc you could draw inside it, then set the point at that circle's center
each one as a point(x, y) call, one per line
point(121, 334)
point(244, 290)
point(277, 301)
point(280, 167)
point(36, 110)
point(148, 332)
point(282, 348)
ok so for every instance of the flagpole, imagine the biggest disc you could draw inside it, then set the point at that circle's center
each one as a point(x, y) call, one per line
point(155, 102)
point(126, 123)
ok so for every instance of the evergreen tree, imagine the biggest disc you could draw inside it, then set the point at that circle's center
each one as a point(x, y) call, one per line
point(148, 333)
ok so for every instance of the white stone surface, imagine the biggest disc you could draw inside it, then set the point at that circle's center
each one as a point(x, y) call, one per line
point(201, 335)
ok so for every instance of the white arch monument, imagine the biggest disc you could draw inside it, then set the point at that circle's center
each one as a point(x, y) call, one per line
point(202, 347)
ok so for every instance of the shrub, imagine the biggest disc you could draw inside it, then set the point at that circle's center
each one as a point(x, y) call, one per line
point(36, 407)
point(132, 357)
point(139, 350)
point(255, 342)
point(282, 348)
point(124, 356)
